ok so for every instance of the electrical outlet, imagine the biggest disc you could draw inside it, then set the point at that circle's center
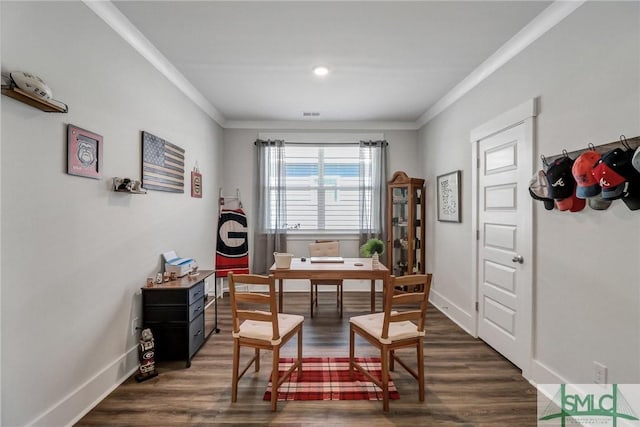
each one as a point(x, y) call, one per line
point(134, 326)
point(599, 373)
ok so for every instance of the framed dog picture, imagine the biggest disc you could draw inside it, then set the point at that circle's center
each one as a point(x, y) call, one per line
point(84, 152)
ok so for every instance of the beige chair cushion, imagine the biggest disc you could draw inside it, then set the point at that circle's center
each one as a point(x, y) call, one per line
point(264, 331)
point(372, 324)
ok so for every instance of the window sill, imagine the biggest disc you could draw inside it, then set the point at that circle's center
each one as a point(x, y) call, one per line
point(307, 235)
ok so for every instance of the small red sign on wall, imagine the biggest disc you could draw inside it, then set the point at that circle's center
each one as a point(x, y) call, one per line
point(196, 184)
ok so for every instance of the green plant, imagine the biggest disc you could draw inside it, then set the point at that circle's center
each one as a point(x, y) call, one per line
point(372, 246)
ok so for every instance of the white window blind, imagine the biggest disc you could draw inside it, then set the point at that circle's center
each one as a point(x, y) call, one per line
point(322, 187)
point(325, 175)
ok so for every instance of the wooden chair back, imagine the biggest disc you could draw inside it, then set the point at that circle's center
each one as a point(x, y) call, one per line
point(324, 248)
point(402, 306)
point(251, 305)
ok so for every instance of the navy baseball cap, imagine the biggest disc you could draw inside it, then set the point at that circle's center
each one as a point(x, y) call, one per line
point(562, 185)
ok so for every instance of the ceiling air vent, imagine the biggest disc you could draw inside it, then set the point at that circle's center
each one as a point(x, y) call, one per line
point(310, 114)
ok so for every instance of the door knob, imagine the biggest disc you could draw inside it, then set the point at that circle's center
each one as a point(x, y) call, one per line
point(518, 259)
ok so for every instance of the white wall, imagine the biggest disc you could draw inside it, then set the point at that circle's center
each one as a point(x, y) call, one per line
point(586, 74)
point(74, 253)
point(239, 155)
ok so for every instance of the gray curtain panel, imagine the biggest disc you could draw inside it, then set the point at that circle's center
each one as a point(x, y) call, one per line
point(270, 204)
point(373, 191)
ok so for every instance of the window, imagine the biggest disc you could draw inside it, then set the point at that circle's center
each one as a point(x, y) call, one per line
point(322, 188)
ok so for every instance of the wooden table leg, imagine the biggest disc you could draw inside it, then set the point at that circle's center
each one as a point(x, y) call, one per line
point(373, 295)
point(280, 299)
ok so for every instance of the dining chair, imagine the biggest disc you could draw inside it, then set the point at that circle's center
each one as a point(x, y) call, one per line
point(323, 248)
point(260, 329)
point(400, 325)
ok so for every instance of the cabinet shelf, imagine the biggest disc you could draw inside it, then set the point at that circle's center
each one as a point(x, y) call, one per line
point(39, 103)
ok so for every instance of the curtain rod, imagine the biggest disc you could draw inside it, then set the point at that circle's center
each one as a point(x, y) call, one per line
point(368, 143)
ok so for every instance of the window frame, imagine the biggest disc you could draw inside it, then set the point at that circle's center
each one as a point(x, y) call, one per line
point(323, 140)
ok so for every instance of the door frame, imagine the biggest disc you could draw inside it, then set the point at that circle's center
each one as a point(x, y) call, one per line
point(524, 114)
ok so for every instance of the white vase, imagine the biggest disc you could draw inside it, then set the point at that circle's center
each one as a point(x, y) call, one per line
point(375, 260)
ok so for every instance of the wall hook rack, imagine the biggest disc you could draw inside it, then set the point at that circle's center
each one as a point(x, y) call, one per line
point(628, 143)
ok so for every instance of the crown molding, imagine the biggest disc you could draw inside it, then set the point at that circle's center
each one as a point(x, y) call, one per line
point(123, 27)
point(320, 125)
point(542, 23)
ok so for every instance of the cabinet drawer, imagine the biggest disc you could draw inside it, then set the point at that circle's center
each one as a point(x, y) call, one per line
point(196, 292)
point(196, 334)
point(166, 313)
point(174, 296)
point(165, 296)
point(196, 309)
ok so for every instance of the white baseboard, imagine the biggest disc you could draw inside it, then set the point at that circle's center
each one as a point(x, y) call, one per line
point(542, 374)
point(70, 409)
point(454, 312)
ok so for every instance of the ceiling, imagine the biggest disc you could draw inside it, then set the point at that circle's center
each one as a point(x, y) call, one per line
point(389, 61)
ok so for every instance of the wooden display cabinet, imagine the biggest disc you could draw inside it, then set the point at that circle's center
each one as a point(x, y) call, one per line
point(405, 227)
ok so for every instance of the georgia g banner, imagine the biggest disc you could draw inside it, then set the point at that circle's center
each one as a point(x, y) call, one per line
point(232, 248)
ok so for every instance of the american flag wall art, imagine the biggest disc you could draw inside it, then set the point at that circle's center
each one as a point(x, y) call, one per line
point(162, 164)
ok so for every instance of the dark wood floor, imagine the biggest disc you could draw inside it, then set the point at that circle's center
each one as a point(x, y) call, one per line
point(467, 382)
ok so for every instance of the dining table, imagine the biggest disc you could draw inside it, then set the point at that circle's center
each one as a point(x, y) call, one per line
point(346, 268)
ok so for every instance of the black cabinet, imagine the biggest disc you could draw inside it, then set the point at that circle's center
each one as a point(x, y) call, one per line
point(175, 313)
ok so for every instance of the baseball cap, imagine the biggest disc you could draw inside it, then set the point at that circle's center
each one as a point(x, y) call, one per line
point(538, 189)
point(635, 160)
point(572, 203)
point(631, 197)
point(561, 183)
point(608, 173)
point(562, 186)
point(631, 194)
point(598, 203)
point(582, 167)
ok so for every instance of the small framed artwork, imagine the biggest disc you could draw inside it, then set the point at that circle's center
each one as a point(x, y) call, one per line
point(84, 152)
point(449, 197)
point(196, 184)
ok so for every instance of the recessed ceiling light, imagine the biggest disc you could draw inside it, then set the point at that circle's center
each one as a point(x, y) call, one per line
point(320, 71)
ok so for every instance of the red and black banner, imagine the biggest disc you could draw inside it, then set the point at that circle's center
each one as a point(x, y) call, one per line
point(232, 248)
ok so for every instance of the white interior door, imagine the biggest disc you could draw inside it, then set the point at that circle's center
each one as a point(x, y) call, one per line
point(504, 246)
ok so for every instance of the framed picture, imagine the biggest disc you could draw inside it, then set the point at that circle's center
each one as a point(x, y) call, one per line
point(196, 184)
point(84, 152)
point(449, 197)
point(162, 164)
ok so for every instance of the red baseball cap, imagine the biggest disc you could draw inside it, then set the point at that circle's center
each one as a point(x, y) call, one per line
point(588, 185)
point(609, 179)
point(572, 203)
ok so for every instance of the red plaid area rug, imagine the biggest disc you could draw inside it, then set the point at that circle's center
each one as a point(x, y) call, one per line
point(327, 378)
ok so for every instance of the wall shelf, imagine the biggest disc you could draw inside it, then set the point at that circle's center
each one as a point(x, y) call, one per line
point(41, 104)
point(136, 188)
point(130, 192)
